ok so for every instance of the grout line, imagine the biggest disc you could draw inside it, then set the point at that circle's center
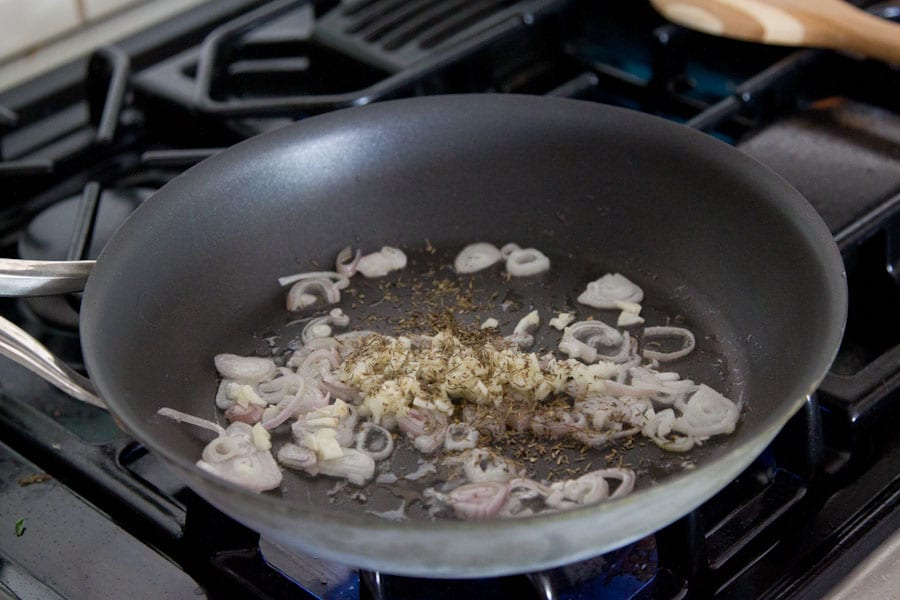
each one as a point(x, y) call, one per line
point(82, 12)
point(89, 37)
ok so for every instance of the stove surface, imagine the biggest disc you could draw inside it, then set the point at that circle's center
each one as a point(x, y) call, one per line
point(89, 513)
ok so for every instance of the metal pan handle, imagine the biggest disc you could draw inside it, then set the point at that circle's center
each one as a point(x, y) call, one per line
point(43, 277)
point(19, 346)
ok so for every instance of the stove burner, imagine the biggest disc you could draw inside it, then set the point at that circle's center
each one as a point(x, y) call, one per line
point(49, 234)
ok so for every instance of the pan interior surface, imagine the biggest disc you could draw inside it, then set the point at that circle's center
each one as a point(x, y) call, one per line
point(712, 236)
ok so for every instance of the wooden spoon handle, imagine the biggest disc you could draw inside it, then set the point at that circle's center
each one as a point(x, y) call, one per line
point(824, 23)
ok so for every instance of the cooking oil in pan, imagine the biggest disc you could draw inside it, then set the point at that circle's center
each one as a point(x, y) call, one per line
point(428, 295)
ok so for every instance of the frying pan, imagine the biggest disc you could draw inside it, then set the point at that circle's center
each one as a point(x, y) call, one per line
point(711, 234)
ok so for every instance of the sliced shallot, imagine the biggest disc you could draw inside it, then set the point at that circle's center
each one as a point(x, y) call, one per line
point(508, 249)
point(257, 472)
point(339, 389)
point(460, 436)
point(609, 290)
point(306, 293)
point(345, 263)
point(286, 384)
point(670, 386)
point(480, 465)
point(288, 409)
point(590, 488)
point(235, 441)
point(583, 339)
point(476, 257)
point(246, 369)
point(374, 440)
point(707, 413)
point(521, 335)
point(626, 479)
point(525, 497)
point(307, 288)
point(433, 438)
point(587, 489)
point(298, 457)
point(412, 423)
point(658, 426)
point(223, 401)
point(183, 417)
point(420, 380)
point(249, 414)
point(379, 264)
point(234, 457)
point(687, 344)
point(355, 466)
point(478, 501)
point(320, 327)
point(557, 423)
point(300, 354)
point(427, 429)
point(340, 281)
point(527, 262)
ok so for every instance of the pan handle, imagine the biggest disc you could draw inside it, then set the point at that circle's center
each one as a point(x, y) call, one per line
point(19, 346)
point(43, 277)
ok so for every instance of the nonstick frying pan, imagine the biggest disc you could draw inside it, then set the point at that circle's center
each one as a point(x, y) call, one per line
point(712, 235)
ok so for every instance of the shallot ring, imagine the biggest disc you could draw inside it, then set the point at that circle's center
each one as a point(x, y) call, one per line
point(476, 257)
point(686, 347)
point(346, 264)
point(527, 262)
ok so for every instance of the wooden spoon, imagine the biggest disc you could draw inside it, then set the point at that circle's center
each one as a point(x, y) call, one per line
point(822, 23)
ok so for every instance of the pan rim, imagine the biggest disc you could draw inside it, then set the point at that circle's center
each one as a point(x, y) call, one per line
point(730, 463)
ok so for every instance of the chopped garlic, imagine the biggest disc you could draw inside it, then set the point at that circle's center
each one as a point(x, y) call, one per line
point(244, 395)
point(375, 406)
point(591, 377)
point(562, 321)
point(338, 410)
point(320, 330)
point(490, 323)
point(324, 443)
point(628, 307)
point(313, 422)
point(430, 377)
point(328, 416)
point(262, 439)
point(627, 319)
point(528, 322)
point(444, 407)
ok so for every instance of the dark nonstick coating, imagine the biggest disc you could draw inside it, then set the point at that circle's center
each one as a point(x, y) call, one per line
point(710, 233)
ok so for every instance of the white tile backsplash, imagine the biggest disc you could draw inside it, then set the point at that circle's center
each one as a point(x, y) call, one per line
point(94, 9)
point(25, 24)
point(24, 56)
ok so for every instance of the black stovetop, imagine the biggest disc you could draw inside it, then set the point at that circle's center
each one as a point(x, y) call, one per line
point(87, 512)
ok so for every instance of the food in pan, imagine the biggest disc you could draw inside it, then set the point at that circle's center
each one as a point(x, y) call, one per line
point(480, 408)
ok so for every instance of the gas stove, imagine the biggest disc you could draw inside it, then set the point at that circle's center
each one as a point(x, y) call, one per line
point(87, 512)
